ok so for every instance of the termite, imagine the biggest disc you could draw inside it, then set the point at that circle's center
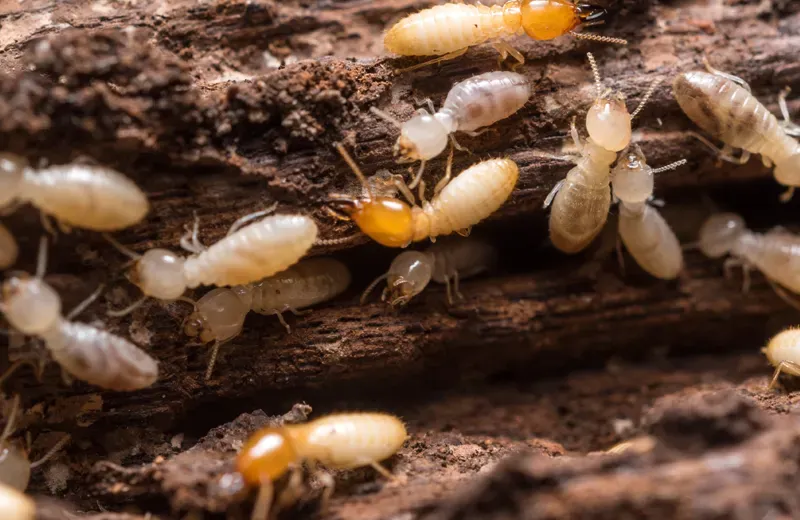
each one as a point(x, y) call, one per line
point(443, 262)
point(472, 104)
point(15, 505)
point(248, 253)
point(581, 201)
point(645, 233)
point(722, 105)
point(783, 352)
point(90, 354)
point(76, 195)
point(219, 315)
point(448, 30)
point(463, 202)
point(338, 441)
point(9, 250)
point(775, 253)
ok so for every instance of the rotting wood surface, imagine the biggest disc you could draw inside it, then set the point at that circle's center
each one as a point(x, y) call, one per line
point(179, 95)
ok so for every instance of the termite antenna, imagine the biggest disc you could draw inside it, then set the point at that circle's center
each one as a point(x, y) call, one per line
point(212, 360)
point(122, 249)
point(325, 242)
point(353, 166)
point(127, 310)
point(11, 419)
point(736, 79)
point(52, 451)
point(671, 166)
point(647, 95)
point(41, 260)
point(598, 84)
point(372, 286)
point(243, 221)
point(385, 116)
point(598, 38)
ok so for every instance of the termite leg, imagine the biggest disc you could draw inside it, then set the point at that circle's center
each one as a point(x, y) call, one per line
point(427, 101)
point(779, 369)
point(725, 153)
point(85, 303)
point(328, 486)
point(294, 311)
point(552, 195)
point(263, 501)
point(782, 294)
point(787, 195)
point(47, 225)
point(372, 286)
point(449, 290)
point(119, 247)
point(440, 59)
point(457, 146)
point(383, 471)
point(505, 49)
point(455, 286)
point(12, 417)
point(789, 127)
point(402, 187)
point(730, 264)
point(127, 310)
point(243, 221)
point(418, 176)
point(576, 138)
point(464, 232)
point(65, 228)
point(52, 451)
point(448, 173)
point(422, 199)
point(726, 75)
point(189, 240)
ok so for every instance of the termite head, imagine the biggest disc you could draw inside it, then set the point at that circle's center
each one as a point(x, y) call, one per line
point(30, 305)
point(12, 169)
point(408, 276)
point(632, 179)
point(548, 19)
point(159, 273)
point(266, 456)
point(787, 171)
point(719, 234)
point(422, 137)
point(218, 316)
point(609, 122)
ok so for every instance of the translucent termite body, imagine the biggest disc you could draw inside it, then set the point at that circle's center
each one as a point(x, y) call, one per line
point(247, 254)
point(580, 202)
point(219, 315)
point(15, 505)
point(732, 114)
point(783, 352)
point(469, 198)
point(445, 261)
point(645, 233)
point(90, 354)
point(76, 195)
point(474, 103)
point(9, 250)
point(337, 441)
point(449, 30)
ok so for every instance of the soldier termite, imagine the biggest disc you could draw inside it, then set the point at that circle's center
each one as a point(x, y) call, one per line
point(645, 233)
point(448, 30)
point(248, 253)
point(90, 354)
point(338, 441)
point(775, 253)
point(463, 202)
point(581, 201)
point(15, 505)
point(783, 352)
point(445, 261)
point(474, 103)
point(220, 314)
point(76, 195)
point(729, 112)
point(9, 250)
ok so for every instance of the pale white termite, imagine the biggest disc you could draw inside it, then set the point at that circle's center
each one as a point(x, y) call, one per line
point(90, 354)
point(445, 261)
point(729, 112)
point(472, 104)
point(581, 201)
point(337, 441)
point(9, 250)
point(219, 315)
point(775, 253)
point(248, 253)
point(472, 196)
point(645, 233)
point(76, 195)
point(783, 352)
point(15, 505)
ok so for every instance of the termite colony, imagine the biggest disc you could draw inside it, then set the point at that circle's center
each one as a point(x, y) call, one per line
point(261, 265)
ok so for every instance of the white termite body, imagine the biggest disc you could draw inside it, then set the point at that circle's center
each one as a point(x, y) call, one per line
point(15, 505)
point(79, 195)
point(645, 233)
point(93, 355)
point(783, 352)
point(219, 315)
point(9, 250)
point(732, 114)
point(15, 468)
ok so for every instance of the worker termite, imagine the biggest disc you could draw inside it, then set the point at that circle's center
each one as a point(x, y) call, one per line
point(15, 505)
point(729, 112)
point(474, 103)
point(9, 250)
point(219, 315)
point(783, 352)
point(443, 262)
point(775, 253)
point(581, 201)
point(463, 202)
point(248, 253)
point(448, 30)
point(645, 233)
point(90, 354)
point(338, 441)
point(76, 195)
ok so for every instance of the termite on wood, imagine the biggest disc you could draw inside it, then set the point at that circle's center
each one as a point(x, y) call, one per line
point(248, 253)
point(219, 315)
point(783, 352)
point(9, 250)
point(447, 260)
point(472, 196)
point(472, 104)
point(581, 201)
point(76, 195)
point(645, 233)
point(448, 30)
point(337, 441)
point(722, 105)
point(90, 354)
